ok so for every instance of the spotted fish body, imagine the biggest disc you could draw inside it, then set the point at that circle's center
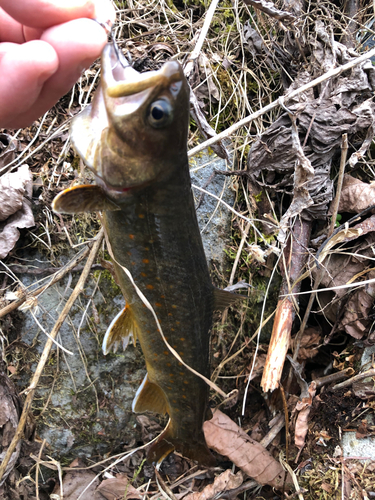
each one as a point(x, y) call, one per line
point(134, 137)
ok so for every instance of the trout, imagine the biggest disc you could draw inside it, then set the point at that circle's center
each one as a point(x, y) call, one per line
point(134, 138)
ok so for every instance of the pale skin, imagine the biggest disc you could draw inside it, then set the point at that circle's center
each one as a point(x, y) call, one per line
point(44, 47)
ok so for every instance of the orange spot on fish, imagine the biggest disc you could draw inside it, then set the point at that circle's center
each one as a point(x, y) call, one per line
point(174, 307)
point(133, 263)
point(172, 329)
point(184, 396)
point(131, 236)
point(158, 304)
point(147, 249)
point(174, 401)
point(169, 388)
point(171, 375)
point(162, 296)
point(166, 353)
point(144, 275)
point(129, 253)
point(150, 287)
point(186, 382)
point(179, 364)
point(182, 339)
point(169, 364)
point(182, 373)
point(141, 216)
point(181, 353)
point(155, 355)
point(149, 331)
point(170, 314)
point(177, 322)
point(145, 261)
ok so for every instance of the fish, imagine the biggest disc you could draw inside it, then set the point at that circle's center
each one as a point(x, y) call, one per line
point(133, 136)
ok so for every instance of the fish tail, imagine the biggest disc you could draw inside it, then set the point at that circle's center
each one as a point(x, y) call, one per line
point(167, 442)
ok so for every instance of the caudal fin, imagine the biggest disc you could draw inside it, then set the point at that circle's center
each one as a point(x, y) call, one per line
point(196, 449)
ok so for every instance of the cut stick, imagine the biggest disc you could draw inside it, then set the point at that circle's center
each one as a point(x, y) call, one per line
point(294, 259)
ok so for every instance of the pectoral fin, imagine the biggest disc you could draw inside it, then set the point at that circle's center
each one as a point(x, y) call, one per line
point(122, 329)
point(223, 299)
point(85, 198)
point(149, 397)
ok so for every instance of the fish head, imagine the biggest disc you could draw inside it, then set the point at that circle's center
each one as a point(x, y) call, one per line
point(135, 130)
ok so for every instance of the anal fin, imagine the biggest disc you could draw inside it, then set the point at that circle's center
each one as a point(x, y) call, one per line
point(84, 198)
point(122, 329)
point(149, 397)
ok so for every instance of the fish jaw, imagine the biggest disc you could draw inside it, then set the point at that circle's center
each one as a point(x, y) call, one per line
point(136, 126)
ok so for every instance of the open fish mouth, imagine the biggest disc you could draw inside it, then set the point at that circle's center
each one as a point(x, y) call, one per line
point(129, 134)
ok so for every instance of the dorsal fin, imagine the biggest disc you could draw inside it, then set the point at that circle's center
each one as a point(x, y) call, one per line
point(223, 299)
point(84, 198)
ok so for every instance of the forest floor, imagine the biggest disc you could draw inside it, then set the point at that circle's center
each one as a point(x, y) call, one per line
point(294, 132)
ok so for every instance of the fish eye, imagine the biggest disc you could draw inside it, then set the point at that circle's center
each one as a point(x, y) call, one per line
point(160, 113)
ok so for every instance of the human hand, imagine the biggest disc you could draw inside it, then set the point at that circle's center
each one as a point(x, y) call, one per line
point(44, 46)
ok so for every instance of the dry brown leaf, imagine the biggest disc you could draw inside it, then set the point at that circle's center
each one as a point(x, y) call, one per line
point(270, 9)
point(118, 487)
point(309, 345)
point(75, 482)
point(225, 482)
point(356, 195)
point(303, 407)
point(12, 191)
point(8, 147)
point(224, 436)
point(15, 209)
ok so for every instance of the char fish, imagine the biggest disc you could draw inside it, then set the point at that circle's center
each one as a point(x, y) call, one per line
point(134, 138)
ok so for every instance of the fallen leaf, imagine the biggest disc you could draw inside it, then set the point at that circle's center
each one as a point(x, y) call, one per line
point(309, 345)
point(75, 482)
point(118, 487)
point(356, 195)
point(8, 147)
point(15, 209)
point(223, 483)
point(224, 436)
point(270, 9)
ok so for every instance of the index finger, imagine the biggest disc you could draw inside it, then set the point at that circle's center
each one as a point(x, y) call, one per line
point(46, 13)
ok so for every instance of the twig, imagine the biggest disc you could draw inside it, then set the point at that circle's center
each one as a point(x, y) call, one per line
point(55, 278)
point(230, 130)
point(294, 259)
point(333, 377)
point(206, 25)
point(350, 381)
point(279, 423)
point(336, 201)
point(43, 359)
